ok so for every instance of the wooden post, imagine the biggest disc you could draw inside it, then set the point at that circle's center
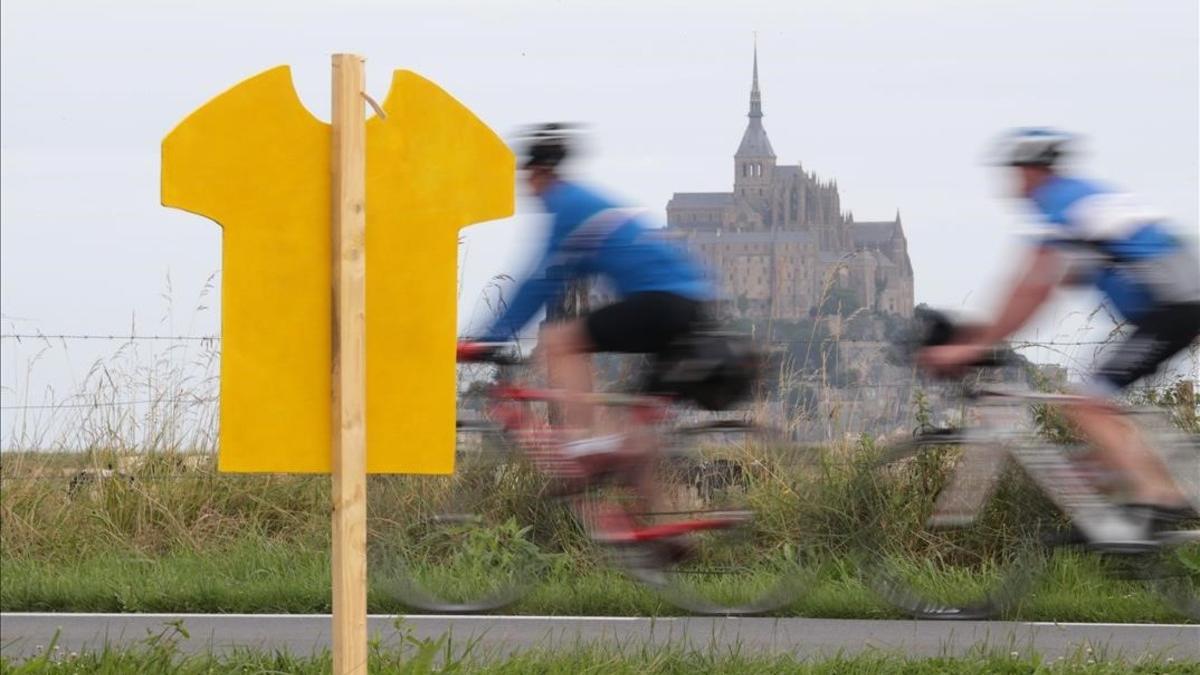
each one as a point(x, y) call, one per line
point(349, 367)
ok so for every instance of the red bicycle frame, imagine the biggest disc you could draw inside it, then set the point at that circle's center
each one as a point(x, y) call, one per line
point(612, 524)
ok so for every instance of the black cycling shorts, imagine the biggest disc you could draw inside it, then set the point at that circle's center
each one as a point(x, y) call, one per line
point(644, 323)
point(1160, 335)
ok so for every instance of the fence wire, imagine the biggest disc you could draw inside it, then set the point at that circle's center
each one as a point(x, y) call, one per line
point(215, 339)
point(190, 400)
point(523, 340)
point(128, 338)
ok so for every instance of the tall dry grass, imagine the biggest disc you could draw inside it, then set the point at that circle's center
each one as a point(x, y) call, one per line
point(126, 463)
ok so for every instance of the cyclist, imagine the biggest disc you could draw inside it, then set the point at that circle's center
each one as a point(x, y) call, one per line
point(1149, 277)
point(663, 295)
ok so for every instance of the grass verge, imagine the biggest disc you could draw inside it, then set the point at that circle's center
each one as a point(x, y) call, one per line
point(255, 575)
point(165, 532)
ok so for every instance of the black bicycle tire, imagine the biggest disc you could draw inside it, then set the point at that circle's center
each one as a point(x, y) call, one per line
point(412, 593)
point(657, 574)
point(897, 593)
point(1176, 583)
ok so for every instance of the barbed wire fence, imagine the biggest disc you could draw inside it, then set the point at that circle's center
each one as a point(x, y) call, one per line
point(146, 391)
point(130, 338)
point(213, 342)
point(529, 340)
point(179, 408)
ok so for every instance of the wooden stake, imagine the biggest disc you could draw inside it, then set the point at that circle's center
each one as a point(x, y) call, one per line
point(349, 368)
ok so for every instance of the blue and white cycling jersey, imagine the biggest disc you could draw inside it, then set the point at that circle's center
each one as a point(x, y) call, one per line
point(1129, 253)
point(591, 236)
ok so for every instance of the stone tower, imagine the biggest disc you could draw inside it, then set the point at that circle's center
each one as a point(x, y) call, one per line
point(754, 161)
point(779, 243)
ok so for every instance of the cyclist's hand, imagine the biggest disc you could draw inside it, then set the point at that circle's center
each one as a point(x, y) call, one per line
point(951, 359)
point(469, 352)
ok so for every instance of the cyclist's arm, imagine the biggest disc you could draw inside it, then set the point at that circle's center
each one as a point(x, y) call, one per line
point(530, 298)
point(1043, 271)
point(543, 285)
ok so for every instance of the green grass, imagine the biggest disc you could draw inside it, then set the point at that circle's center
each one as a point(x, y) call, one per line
point(254, 575)
point(161, 654)
point(179, 537)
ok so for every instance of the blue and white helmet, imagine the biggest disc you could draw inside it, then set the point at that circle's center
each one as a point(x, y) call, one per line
point(1033, 146)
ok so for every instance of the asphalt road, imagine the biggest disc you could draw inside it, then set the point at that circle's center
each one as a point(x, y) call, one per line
point(24, 634)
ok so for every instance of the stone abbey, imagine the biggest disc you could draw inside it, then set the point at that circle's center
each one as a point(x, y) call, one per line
point(781, 244)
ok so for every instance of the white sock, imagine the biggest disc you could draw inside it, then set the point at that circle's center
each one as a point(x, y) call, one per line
point(596, 445)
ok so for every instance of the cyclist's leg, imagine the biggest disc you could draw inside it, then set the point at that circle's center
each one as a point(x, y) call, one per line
point(1122, 448)
point(642, 448)
point(568, 350)
point(663, 319)
point(1161, 336)
point(643, 323)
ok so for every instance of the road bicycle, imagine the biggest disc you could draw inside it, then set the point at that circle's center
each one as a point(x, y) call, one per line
point(963, 519)
point(482, 535)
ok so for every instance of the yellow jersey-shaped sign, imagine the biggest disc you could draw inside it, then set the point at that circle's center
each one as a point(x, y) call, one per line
point(256, 162)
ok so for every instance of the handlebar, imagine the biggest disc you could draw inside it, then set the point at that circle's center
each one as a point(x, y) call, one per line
point(484, 352)
point(935, 328)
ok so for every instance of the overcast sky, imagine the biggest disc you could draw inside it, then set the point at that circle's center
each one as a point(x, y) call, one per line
point(896, 100)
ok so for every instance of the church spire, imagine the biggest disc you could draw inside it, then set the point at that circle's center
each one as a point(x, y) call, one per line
point(754, 141)
point(755, 96)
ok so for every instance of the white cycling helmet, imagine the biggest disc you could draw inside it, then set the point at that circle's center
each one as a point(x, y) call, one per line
point(1033, 146)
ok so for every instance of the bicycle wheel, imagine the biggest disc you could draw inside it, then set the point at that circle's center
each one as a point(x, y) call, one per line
point(1175, 574)
point(725, 559)
point(458, 543)
point(1174, 571)
point(949, 531)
